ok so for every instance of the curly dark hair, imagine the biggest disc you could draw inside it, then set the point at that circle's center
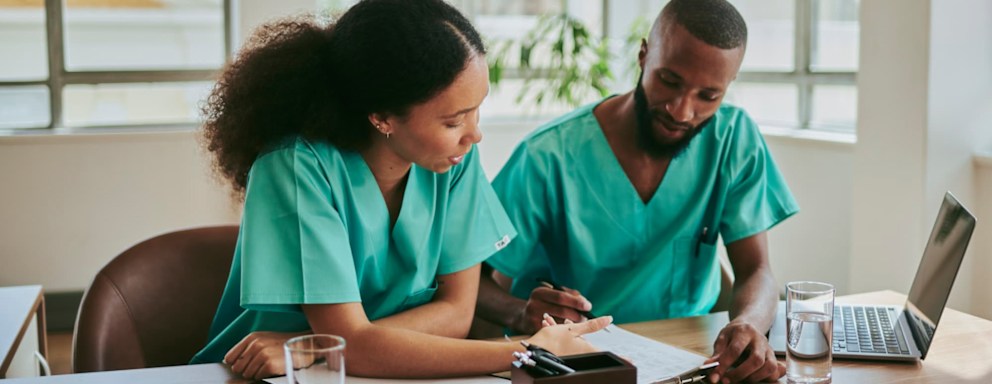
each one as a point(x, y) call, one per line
point(300, 77)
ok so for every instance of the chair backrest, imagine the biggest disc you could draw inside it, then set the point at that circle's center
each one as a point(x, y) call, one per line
point(152, 305)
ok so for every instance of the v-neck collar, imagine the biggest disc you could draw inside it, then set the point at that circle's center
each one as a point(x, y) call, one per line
point(603, 179)
point(604, 153)
point(406, 233)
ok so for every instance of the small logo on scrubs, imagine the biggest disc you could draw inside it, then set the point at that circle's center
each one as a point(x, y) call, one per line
point(502, 242)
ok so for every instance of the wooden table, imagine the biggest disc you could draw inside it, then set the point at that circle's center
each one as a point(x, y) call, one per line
point(22, 330)
point(961, 353)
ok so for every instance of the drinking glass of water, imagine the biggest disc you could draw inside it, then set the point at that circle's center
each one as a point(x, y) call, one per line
point(809, 310)
point(313, 359)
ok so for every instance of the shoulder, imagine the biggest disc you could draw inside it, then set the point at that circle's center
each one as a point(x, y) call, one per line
point(299, 155)
point(733, 123)
point(559, 136)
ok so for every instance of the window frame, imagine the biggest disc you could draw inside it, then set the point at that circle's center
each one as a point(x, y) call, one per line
point(802, 74)
point(59, 77)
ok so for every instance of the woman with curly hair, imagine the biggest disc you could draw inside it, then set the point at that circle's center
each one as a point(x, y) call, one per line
point(366, 210)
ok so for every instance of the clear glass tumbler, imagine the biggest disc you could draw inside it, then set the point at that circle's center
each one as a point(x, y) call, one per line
point(313, 359)
point(809, 310)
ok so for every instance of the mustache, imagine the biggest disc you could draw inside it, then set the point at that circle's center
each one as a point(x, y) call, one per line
point(665, 118)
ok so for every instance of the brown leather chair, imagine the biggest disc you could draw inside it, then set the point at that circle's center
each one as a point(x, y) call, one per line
point(152, 305)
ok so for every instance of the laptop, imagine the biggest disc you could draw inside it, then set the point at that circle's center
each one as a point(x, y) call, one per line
point(884, 332)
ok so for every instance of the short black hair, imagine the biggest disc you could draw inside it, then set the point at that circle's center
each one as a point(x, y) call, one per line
point(302, 76)
point(715, 22)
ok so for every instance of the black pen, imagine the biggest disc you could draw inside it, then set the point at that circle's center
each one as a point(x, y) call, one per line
point(551, 364)
point(543, 358)
point(702, 238)
point(534, 370)
point(544, 353)
point(553, 285)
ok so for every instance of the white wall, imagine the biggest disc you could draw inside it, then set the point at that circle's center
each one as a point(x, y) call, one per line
point(980, 253)
point(814, 244)
point(70, 203)
point(960, 117)
point(925, 104)
point(886, 230)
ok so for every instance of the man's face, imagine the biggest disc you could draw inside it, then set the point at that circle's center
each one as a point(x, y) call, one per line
point(682, 82)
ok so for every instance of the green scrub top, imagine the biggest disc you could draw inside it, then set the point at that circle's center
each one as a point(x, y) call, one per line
point(316, 230)
point(583, 225)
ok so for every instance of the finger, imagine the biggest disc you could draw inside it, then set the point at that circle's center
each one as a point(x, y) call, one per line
point(265, 371)
point(563, 313)
point(568, 321)
point(719, 348)
point(571, 291)
point(735, 348)
point(548, 319)
point(242, 361)
point(253, 366)
point(715, 357)
point(239, 348)
point(766, 372)
point(749, 367)
point(562, 298)
point(591, 326)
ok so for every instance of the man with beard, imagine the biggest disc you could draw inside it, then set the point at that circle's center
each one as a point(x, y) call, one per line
point(622, 201)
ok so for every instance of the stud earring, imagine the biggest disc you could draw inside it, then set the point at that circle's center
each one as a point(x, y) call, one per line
point(379, 128)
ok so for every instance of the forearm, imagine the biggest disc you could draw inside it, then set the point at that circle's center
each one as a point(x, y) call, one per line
point(379, 351)
point(434, 318)
point(497, 305)
point(755, 299)
point(755, 293)
point(449, 314)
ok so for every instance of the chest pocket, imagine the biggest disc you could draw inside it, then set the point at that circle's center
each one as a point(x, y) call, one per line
point(693, 277)
point(420, 297)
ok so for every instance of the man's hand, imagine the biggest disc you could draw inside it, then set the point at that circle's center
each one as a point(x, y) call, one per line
point(564, 304)
point(744, 356)
point(259, 355)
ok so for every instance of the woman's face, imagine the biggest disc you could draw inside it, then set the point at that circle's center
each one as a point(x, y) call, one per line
point(438, 133)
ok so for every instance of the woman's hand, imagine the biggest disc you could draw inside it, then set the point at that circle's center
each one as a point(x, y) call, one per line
point(259, 355)
point(566, 339)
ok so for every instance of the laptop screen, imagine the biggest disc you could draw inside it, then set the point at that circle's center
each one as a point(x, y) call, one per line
point(938, 268)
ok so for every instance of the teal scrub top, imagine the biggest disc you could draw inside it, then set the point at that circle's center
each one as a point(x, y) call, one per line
point(316, 230)
point(583, 225)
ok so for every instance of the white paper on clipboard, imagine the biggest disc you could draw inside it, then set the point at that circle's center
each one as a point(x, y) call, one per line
point(654, 360)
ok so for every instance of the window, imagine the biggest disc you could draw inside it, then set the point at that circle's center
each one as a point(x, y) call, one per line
point(800, 68)
point(502, 21)
point(799, 71)
point(108, 63)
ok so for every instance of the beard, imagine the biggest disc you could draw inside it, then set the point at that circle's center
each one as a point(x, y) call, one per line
point(645, 128)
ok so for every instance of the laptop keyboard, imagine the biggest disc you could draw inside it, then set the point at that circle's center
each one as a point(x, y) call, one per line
point(867, 330)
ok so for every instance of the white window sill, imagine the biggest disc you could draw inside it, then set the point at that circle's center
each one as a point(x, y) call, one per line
point(809, 135)
point(66, 135)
